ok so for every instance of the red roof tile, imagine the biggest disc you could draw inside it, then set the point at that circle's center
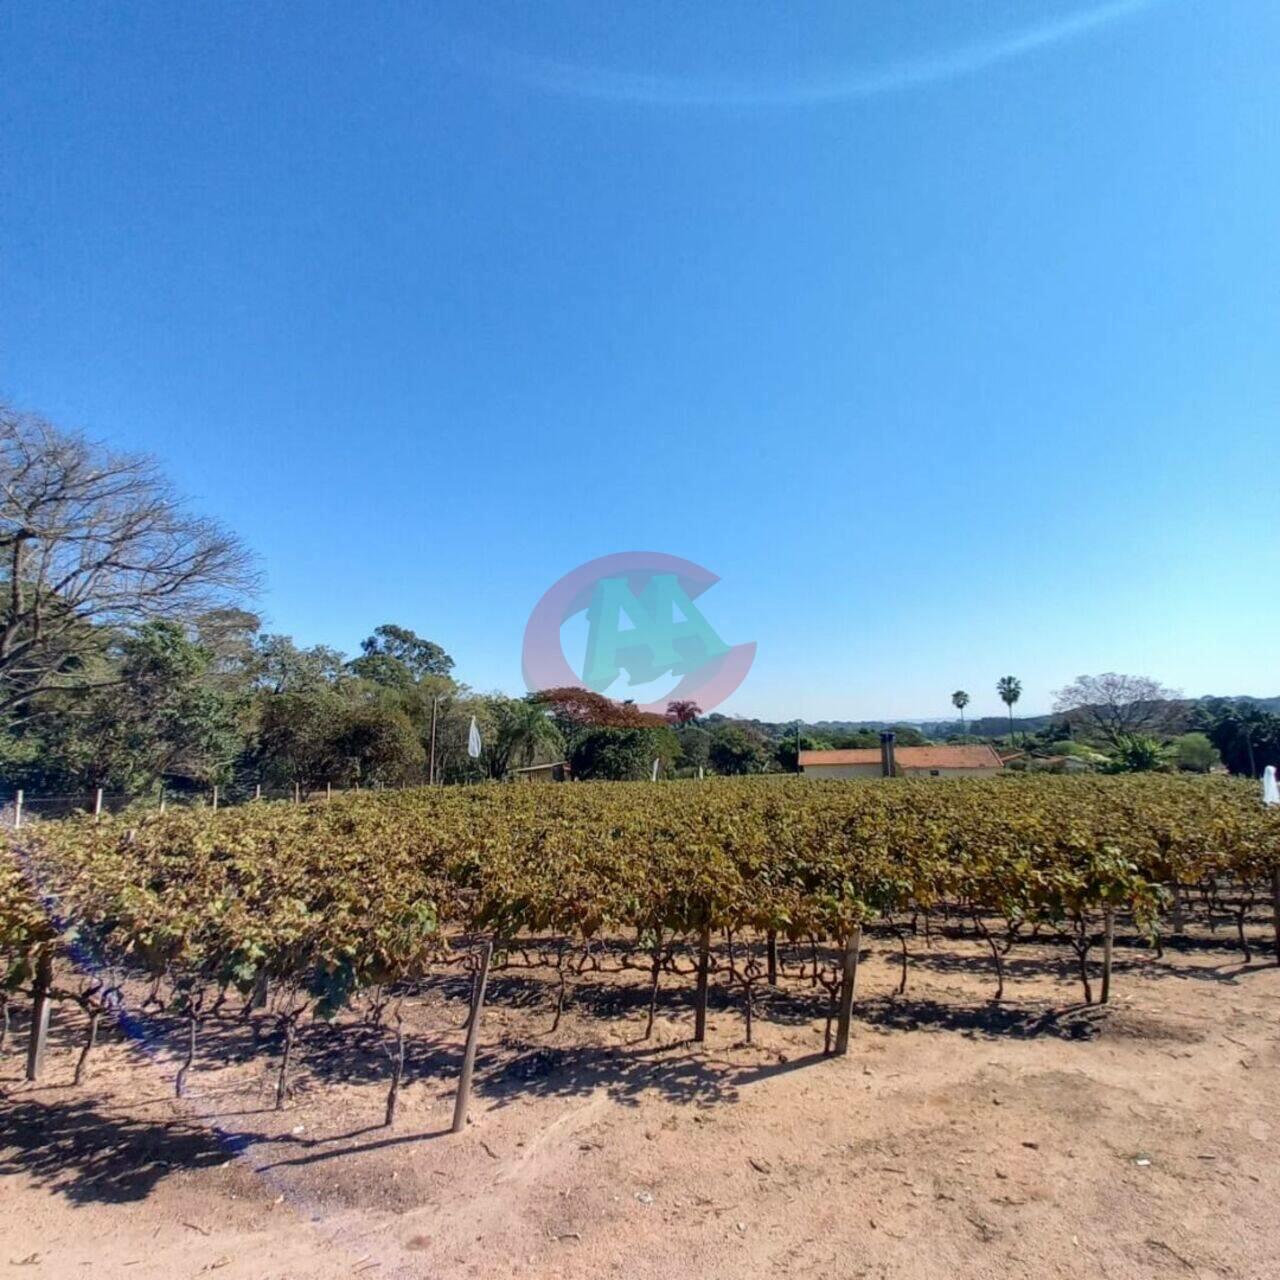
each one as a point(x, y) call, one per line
point(859, 755)
point(970, 756)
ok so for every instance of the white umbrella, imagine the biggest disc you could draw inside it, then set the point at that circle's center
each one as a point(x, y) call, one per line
point(1270, 792)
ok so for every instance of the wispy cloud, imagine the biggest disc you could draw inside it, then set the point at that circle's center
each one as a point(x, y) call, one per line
point(623, 86)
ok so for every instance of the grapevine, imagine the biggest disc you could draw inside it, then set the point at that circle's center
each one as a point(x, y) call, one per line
point(376, 892)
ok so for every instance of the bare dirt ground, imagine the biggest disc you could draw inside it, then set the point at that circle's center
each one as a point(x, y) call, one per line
point(958, 1139)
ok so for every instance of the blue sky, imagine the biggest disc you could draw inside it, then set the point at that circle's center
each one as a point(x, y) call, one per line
point(947, 334)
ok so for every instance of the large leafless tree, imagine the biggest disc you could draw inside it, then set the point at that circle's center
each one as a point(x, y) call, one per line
point(93, 542)
point(1113, 705)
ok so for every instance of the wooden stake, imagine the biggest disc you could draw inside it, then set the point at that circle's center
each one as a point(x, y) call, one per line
point(215, 799)
point(297, 793)
point(257, 792)
point(431, 769)
point(97, 804)
point(655, 975)
point(40, 1016)
point(397, 1073)
point(848, 981)
point(1108, 946)
point(328, 791)
point(1275, 908)
point(282, 1080)
point(17, 811)
point(90, 1039)
point(700, 999)
point(180, 1081)
point(473, 1036)
point(772, 954)
point(162, 798)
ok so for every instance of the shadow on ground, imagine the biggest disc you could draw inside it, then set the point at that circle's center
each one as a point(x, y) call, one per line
point(85, 1151)
point(71, 1146)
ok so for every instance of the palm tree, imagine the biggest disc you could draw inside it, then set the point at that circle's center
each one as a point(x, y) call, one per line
point(1248, 723)
point(960, 700)
point(1010, 690)
point(523, 727)
point(682, 711)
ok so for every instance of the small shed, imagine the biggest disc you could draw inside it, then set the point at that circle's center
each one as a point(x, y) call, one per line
point(556, 771)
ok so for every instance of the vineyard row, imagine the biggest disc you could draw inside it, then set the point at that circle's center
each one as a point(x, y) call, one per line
point(316, 905)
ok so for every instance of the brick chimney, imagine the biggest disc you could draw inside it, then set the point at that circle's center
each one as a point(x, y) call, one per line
point(886, 753)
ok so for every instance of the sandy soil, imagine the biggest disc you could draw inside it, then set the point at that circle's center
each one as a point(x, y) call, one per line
point(958, 1139)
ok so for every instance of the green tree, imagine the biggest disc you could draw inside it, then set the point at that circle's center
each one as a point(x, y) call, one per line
point(621, 754)
point(1247, 737)
point(164, 716)
point(736, 750)
point(298, 738)
point(1010, 690)
point(524, 730)
point(1194, 753)
point(229, 639)
point(454, 762)
point(397, 657)
point(376, 744)
point(279, 666)
point(787, 755)
point(695, 747)
point(906, 735)
point(1138, 753)
point(858, 740)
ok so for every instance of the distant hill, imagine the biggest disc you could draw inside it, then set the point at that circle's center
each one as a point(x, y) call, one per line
point(1267, 704)
point(982, 726)
point(988, 726)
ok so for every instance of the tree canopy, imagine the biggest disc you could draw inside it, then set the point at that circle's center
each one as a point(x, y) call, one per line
point(1114, 707)
point(94, 543)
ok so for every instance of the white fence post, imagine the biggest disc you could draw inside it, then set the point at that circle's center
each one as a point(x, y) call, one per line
point(17, 810)
point(97, 804)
